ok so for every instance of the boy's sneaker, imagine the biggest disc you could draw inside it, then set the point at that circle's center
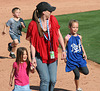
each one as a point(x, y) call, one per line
point(12, 55)
point(79, 89)
point(9, 47)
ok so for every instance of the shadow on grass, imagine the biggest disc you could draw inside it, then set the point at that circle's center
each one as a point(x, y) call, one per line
point(56, 89)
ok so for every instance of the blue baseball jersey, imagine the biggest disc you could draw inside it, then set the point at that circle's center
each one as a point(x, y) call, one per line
point(74, 54)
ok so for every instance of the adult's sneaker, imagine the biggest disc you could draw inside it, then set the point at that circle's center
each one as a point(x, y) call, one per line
point(12, 55)
point(9, 47)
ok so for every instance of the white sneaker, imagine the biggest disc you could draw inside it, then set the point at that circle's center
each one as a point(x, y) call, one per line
point(79, 89)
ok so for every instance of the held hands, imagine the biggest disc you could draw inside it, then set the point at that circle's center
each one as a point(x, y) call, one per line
point(34, 63)
point(32, 69)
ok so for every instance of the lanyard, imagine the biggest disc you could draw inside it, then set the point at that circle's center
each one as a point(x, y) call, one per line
point(47, 30)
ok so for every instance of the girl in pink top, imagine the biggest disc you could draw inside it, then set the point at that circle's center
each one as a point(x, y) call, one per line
point(20, 71)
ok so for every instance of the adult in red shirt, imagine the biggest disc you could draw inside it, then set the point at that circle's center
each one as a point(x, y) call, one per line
point(44, 36)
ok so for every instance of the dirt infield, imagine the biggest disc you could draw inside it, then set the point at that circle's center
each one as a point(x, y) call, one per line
point(65, 81)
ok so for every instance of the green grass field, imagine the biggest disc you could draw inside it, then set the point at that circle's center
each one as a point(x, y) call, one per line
point(89, 28)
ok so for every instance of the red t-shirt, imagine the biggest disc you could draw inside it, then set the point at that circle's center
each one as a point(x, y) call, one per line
point(42, 45)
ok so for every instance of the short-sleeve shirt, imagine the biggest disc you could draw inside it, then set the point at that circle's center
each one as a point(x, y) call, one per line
point(21, 76)
point(15, 26)
point(42, 45)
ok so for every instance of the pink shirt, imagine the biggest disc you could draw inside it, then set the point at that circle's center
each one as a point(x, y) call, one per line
point(21, 76)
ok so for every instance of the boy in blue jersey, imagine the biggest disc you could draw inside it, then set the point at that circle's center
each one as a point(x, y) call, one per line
point(15, 24)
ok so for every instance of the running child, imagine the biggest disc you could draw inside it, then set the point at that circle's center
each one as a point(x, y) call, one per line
point(76, 55)
point(16, 24)
point(20, 71)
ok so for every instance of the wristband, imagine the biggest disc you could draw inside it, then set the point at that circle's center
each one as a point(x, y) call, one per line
point(64, 51)
point(33, 58)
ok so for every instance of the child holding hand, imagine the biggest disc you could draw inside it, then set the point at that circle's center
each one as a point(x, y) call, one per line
point(20, 71)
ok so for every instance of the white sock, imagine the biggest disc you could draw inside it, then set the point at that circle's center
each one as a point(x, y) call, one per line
point(12, 52)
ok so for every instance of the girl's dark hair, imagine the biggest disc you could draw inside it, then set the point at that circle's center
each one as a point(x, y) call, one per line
point(19, 57)
point(14, 9)
point(71, 22)
point(35, 17)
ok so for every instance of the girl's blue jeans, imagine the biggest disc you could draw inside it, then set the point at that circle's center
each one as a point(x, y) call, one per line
point(47, 74)
point(22, 88)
